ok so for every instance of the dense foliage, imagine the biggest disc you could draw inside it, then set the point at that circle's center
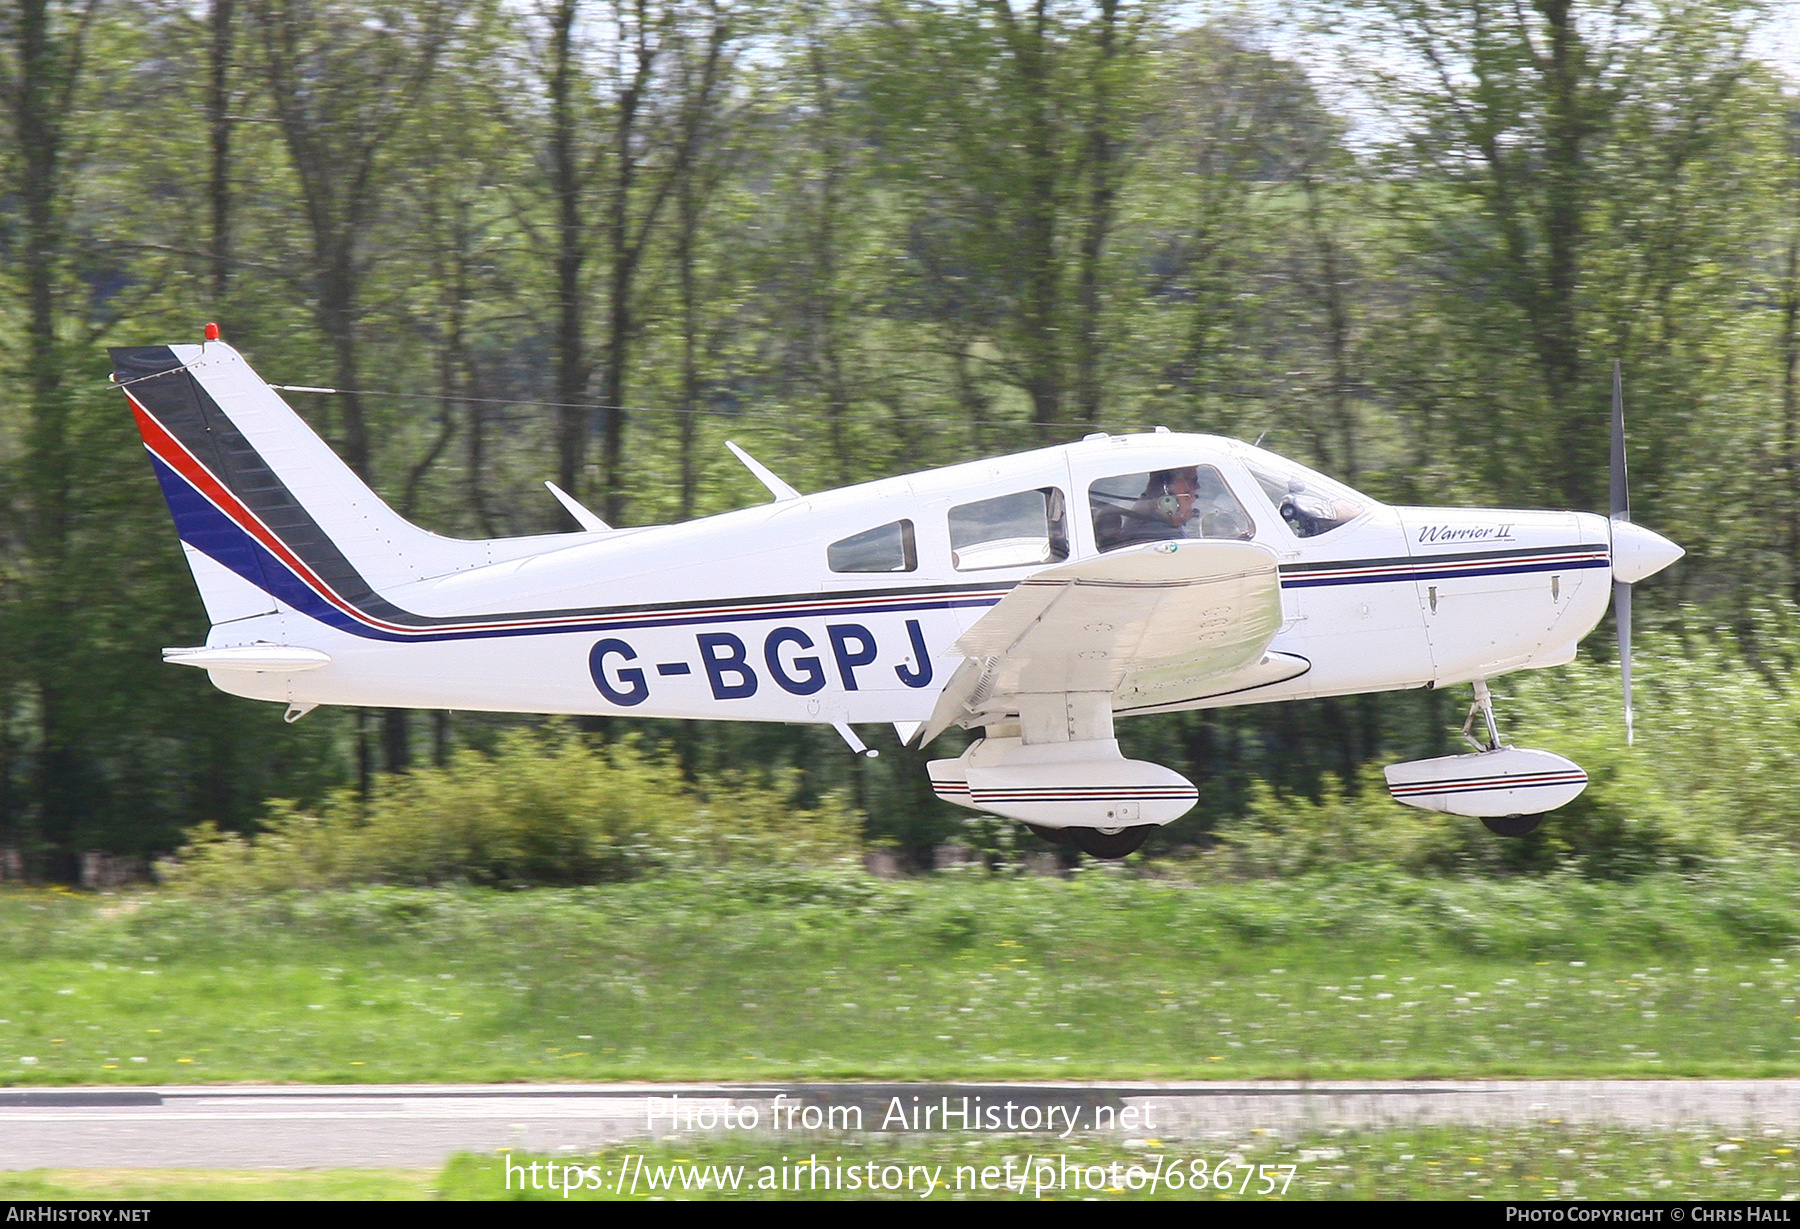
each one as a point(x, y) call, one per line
point(539, 811)
point(589, 240)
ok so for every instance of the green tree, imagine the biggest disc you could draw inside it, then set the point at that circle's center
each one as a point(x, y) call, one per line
point(1550, 155)
point(43, 50)
point(1008, 126)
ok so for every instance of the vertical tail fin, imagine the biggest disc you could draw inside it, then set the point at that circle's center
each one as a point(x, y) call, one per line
point(266, 511)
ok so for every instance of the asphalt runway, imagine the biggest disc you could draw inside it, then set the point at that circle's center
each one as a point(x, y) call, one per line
point(418, 1126)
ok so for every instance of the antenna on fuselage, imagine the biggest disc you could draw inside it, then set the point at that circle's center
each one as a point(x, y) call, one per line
point(855, 744)
point(764, 475)
point(587, 520)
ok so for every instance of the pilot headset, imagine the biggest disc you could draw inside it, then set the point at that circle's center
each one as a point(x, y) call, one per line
point(1168, 504)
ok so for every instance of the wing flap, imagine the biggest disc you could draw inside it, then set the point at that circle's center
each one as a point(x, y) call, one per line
point(1153, 624)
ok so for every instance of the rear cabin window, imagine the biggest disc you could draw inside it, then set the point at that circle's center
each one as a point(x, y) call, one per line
point(1188, 502)
point(886, 548)
point(1009, 531)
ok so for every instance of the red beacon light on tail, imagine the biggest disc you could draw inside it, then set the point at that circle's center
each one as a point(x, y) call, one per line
point(212, 332)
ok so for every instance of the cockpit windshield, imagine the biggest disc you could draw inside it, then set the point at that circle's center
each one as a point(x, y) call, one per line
point(1310, 503)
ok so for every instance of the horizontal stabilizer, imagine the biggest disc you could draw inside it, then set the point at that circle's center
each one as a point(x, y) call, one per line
point(261, 658)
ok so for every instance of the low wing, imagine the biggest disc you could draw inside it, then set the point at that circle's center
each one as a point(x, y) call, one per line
point(1154, 625)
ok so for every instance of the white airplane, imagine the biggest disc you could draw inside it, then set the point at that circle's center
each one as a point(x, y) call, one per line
point(1036, 597)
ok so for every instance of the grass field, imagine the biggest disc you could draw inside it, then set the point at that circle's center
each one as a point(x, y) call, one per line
point(835, 976)
point(226, 1184)
point(1544, 1162)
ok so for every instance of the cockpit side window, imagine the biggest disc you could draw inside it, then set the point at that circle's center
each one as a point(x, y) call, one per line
point(1308, 503)
point(1009, 531)
point(1187, 502)
point(885, 548)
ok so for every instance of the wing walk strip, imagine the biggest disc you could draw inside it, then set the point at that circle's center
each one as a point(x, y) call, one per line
point(1464, 786)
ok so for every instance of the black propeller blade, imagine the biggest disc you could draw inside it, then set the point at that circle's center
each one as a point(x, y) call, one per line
point(1619, 499)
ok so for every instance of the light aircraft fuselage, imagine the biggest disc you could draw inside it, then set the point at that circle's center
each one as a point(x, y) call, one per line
point(739, 616)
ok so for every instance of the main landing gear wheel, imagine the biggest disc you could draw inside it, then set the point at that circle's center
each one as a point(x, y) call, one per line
point(1098, 843)
point(1056, 836)
point(1512, 825)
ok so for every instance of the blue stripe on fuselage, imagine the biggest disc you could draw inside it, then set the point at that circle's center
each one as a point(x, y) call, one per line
point(1443, 572)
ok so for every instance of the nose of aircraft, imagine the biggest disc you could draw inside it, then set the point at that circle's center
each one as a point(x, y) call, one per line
point(1638, 552)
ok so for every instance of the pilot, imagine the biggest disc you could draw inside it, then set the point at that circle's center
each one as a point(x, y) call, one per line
point(1162, 511)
